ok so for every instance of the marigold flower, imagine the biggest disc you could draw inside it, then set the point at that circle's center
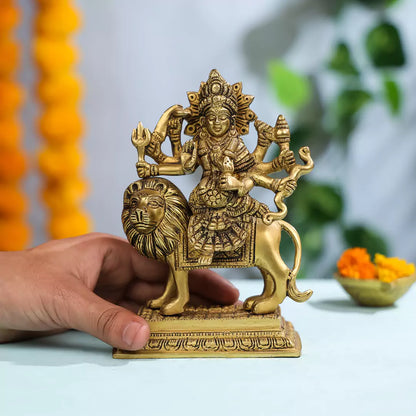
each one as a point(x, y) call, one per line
point(9, 56)
point(59, 125)
point(392, 268)
point(9, 16)
point(69, 224)
point(15, 234)
point(60, 162)
point(12, 201)
point(43, 4)
point(11, 97)
point(63, 88)
point(356, 263)
point(54, 55)
point(12, 164)
point(10, 133)
point(64, 196)
point(58, 19)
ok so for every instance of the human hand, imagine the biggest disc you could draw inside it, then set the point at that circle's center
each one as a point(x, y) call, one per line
point(143, 169)
point(181, 112)
point(93, 283)
point(189, 156)
point(229, 182)
point(287, 186)
point(286, 159)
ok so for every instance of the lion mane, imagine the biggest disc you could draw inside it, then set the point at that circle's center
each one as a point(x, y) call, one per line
point(166, 236)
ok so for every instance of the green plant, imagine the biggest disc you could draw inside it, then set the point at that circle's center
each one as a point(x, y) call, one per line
point(317, 206)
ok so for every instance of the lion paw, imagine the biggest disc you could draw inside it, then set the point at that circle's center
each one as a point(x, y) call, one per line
point(263, 306)
point(155, 303)
point(249, 302)
point(173, 308)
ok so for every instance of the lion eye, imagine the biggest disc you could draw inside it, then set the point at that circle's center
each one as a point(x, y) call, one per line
point(133, 202)
point(155, 203)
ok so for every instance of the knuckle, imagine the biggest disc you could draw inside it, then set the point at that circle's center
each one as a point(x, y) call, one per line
point(57, 306)
point(107, 320)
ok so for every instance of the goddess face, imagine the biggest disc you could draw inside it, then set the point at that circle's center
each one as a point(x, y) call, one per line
point(147, 209)
point(217, 121)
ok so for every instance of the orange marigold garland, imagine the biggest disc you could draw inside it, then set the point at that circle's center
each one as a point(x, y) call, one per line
point(14, 230)
point(355, 263)
point(60, 124)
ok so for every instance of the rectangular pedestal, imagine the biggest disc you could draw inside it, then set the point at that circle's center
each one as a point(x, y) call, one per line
point(227, 331)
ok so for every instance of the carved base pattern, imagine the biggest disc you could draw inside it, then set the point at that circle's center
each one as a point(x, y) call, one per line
point(217, 332)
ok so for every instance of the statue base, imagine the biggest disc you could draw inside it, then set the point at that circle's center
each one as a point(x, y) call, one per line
point(220, 331)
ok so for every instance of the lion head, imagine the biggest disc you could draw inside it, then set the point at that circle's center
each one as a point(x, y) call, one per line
point(155, 216)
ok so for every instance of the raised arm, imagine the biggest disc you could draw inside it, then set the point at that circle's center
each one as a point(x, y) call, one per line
point(170, 124)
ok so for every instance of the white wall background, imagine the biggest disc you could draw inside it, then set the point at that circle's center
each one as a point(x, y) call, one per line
point(140, 57)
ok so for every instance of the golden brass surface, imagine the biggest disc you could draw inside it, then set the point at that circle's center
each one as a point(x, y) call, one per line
point(375, 292)
point(220, 225)
point(227, 331)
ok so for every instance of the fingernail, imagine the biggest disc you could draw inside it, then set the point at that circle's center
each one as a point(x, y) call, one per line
point(231, 284)
point(235, 288)
point(135, 335)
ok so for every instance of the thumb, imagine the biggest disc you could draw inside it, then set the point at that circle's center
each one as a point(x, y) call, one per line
point(111, 323)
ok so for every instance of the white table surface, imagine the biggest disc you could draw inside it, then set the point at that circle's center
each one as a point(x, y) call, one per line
point(355, 361)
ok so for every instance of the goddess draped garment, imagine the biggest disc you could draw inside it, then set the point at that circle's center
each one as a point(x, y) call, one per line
point(221, 218)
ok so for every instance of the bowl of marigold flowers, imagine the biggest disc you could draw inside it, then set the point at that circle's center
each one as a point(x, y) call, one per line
point(378, 283)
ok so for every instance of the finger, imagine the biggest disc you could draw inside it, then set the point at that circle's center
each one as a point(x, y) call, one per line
point(140, 291)
point(112, 324)
point(212, 286)
point(196, 300)
point(120, 257)
point(129, 305)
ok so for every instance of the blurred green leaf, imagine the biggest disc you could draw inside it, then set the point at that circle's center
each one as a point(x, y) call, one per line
point(307, 127)
point(377, 3)
point(341, 61)
point(313, 241)
point(393, 95)
point(361, 236)
point(384, 46)
point(292, 90)
point(390, 3)
point(348, 103)
point(315, 204)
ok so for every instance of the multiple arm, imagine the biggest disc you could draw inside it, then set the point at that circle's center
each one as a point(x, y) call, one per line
point(184, 159)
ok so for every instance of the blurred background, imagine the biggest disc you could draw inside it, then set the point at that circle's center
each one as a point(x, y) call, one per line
point(342, 72)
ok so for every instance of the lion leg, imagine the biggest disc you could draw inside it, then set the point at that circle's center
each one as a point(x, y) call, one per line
point(270, 303)
point(268, 289)
point(177, 303)
point(268, 259)
point(168, 294)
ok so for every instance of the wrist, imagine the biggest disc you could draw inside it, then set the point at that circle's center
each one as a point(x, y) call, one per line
point(275, 185)
point(154, 170)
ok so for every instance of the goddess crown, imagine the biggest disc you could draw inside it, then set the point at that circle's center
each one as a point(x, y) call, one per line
point(216, 92)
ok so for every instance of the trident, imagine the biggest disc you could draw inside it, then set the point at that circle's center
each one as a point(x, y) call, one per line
point(140, 137)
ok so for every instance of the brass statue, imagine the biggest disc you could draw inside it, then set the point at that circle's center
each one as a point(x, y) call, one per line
point(221, 225)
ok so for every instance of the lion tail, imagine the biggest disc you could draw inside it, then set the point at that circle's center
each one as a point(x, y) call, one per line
point(292, 291)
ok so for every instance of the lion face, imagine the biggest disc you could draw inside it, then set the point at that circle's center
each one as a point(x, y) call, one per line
point(147, 210)
point(155, 216)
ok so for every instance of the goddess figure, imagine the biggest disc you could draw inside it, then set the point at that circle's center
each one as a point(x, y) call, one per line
point(222, 209)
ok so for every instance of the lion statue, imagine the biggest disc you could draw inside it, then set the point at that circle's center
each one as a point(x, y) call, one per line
point(155, 219)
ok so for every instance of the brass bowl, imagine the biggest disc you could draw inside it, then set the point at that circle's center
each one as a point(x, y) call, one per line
point(376, 292)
